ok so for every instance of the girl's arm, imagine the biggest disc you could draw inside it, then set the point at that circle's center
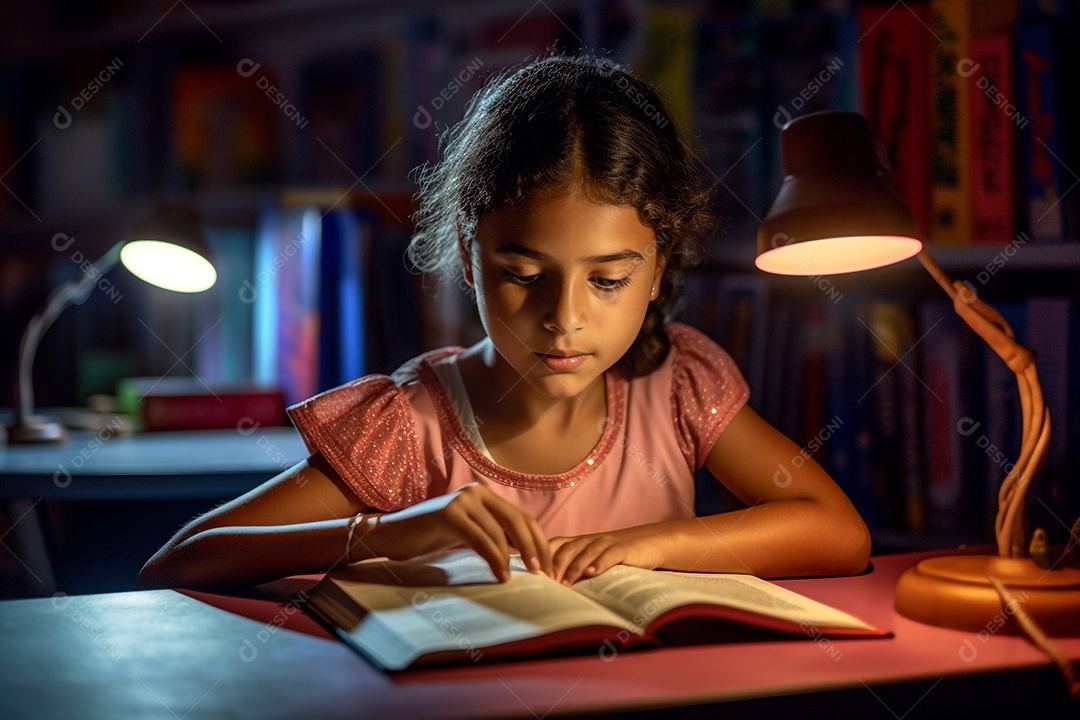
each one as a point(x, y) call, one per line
point(797, 520)
point(297, 523)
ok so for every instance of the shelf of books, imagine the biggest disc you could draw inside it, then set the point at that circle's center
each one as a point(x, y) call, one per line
point(290, 120)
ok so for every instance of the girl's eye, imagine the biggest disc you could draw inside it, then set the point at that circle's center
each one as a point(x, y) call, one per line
point(611, 283)
point(524, 280)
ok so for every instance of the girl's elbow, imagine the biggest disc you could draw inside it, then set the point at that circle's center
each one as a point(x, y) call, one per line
point(853, 548)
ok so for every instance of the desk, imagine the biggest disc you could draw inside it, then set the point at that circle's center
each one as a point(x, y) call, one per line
point(164, 654)
point(158, 466)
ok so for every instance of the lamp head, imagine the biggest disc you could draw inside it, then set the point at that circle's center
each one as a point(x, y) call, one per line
point(169, 249)
point(834, 213)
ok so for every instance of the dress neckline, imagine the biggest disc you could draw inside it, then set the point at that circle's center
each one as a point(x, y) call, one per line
point(615, 397)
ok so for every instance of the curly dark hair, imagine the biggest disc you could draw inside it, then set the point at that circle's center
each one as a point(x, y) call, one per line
point(563, 122)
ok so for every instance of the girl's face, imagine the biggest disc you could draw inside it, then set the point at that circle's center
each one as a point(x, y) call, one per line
point(562, 286)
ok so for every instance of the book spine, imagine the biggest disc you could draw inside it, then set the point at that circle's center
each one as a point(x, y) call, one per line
point(894, 91)
point(941, 379)
point(885, 343)
point(993, 128)
point(1040, 134)
point(950, 175)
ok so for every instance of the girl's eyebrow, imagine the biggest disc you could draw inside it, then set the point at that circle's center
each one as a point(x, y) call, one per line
point(544, 257)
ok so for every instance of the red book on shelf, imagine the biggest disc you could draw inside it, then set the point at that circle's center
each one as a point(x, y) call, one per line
point(993, 132)
point(894, 90)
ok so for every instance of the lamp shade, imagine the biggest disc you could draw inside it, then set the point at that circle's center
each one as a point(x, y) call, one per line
point(833, 213)
point(168, 249)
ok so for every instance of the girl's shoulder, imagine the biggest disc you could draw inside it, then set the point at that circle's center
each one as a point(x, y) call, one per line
point(367, 429)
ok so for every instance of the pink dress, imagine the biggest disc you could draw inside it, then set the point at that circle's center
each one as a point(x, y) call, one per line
point(397, 440)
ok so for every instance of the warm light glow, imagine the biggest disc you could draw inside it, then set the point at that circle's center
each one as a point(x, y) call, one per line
point(830, 256)
point(169, 266)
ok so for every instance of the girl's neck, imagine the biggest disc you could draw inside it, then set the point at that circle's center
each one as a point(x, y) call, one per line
point(526, 430)
point(499, 395)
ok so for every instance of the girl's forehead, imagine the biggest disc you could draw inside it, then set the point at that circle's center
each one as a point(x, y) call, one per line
point(566, 226)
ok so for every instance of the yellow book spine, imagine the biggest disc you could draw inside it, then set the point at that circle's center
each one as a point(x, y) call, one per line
point(950, 172)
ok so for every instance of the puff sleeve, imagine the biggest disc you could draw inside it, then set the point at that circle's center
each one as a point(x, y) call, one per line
point(365, 430)
point(707, 390)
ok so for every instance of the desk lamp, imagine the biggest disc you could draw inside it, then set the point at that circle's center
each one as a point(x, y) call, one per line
point(166, 249)
point(835, 214)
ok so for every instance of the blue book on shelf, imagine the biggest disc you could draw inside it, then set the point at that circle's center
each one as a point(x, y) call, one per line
point(1045, 141)
point(342, 302)
point(285, 296)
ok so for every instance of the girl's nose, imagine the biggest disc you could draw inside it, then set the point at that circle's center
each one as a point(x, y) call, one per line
point(566, 312)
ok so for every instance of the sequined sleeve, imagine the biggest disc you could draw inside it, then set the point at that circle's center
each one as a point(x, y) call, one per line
point(365, 431)
point(707, 390)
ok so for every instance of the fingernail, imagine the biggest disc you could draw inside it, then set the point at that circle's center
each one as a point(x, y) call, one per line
point(534, 564)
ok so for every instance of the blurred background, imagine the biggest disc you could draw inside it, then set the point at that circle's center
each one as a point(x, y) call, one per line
point(293, 128)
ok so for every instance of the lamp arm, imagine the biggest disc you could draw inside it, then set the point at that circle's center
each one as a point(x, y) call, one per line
point(72, 291)
point(1035, 434)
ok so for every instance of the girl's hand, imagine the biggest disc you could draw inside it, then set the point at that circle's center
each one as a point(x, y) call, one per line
point(472, 517)
point(588, 555)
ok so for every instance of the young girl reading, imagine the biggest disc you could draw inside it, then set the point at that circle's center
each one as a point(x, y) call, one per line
point(571, 433)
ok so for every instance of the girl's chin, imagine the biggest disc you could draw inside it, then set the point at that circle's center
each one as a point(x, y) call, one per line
point(560, 385)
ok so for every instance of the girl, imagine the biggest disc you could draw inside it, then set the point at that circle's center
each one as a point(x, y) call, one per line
point(572, 431)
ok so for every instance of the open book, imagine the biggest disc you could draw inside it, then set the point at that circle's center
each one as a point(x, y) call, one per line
point(448, 608)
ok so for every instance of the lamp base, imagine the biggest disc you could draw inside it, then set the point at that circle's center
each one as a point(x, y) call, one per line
point(955, 592)
point(35, 429)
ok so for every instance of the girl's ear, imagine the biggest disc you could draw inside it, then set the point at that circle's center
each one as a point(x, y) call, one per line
point(658, 276)
point(466, 259)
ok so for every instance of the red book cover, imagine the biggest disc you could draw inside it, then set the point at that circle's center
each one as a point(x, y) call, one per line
point(219, 409)
point(894, 90)
point(993, 132)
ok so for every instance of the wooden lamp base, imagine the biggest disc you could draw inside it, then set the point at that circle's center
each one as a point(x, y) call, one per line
point(956, 592)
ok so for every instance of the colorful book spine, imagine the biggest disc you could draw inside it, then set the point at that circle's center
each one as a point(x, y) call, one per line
point(897, 471)
point(994, 121)
point(1044, 174)
point(940, 374)
point(950, 110)
point(285, 295)
point(894, 90)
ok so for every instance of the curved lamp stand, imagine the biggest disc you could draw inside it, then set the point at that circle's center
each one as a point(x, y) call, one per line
point(959, 592)
point(28, 427)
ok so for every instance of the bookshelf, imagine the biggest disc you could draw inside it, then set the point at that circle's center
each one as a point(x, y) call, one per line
point(746, 69)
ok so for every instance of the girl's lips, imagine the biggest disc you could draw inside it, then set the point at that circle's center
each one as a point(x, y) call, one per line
point(562, 363)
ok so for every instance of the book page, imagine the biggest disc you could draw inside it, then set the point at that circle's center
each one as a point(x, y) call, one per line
point(644, 595)
point(403, 622)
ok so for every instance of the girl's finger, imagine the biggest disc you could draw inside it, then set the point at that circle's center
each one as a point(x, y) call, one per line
point(485, 524)
point(585, 558)
point(564, 555)
point(524, 532)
